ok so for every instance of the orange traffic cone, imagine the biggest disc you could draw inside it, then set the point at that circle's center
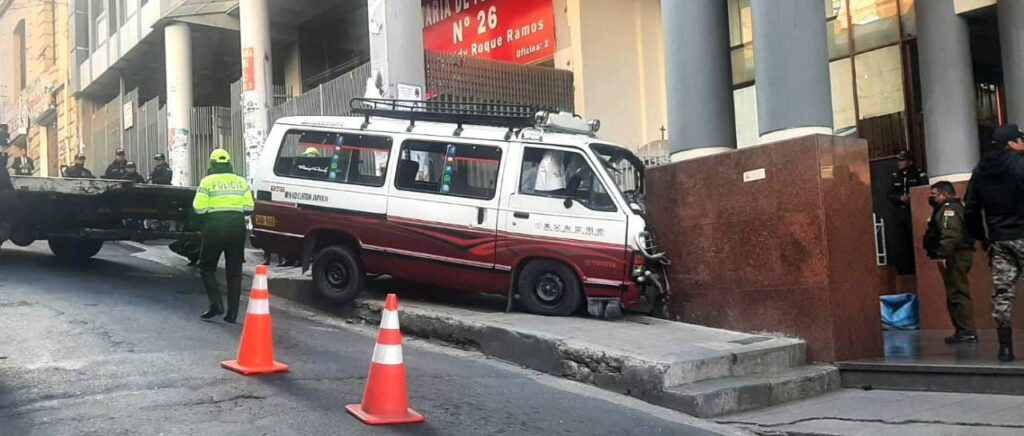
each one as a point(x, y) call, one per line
point(256, 350)
point(385, 400)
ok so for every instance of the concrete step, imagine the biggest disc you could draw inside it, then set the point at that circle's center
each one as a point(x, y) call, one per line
point(722, 396)
point(760, 355)
point(968, 377)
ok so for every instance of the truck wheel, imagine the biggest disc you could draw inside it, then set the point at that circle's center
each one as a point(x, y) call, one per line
point(75, 249)
point(549, 288)
point(338, 274)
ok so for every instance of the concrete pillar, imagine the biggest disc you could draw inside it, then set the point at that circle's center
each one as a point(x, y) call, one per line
point(396, 46)
point(698, 76)
point(1011, 39)
point(293, 70)
point(794, 93)
point(947, 88)
point(178, 61)
point(257, 79)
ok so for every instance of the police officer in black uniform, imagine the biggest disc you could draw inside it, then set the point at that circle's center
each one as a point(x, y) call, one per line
point(78, 170)
point(161, 174)
point(131, 173)
point(906, 176)
point(116, 169)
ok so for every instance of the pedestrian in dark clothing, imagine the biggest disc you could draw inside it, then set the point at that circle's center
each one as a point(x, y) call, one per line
point(161, 174)
point(7, 199)
point(131, 173)
point(906, 176)
point(995, 216)
point(116, 170)
point(188, 247)
point(948, 242)
point(78, 170)
point(23, 164)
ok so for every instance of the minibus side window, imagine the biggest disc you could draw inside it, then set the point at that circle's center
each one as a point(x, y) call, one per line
point(334, 157)
point(563, 174)
point(460, 170)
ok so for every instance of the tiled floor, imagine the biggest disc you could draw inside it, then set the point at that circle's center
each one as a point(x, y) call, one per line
point(927, 347)
point(905, 413)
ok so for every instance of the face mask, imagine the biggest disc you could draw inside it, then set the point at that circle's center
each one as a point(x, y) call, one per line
point(934, 202)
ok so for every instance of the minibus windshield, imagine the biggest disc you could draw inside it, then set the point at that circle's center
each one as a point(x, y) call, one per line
point(624, 168)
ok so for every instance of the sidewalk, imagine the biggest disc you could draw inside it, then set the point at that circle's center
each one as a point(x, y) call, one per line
point(697, 370)
point(889, 413)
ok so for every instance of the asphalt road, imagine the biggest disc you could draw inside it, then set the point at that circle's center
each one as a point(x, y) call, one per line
point(115, 346)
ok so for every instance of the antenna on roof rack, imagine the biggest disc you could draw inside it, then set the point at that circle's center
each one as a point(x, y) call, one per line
point(481, 114)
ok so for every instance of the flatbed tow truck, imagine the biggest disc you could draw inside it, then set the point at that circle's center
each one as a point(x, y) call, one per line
point(76, 216)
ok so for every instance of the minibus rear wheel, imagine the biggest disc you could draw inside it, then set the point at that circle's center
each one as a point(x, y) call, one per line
point(549, 288)
point(338, 274)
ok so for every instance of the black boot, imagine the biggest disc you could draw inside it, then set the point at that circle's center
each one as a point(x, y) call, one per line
point(1005, 344)
point(214, 311)
point(962, 337)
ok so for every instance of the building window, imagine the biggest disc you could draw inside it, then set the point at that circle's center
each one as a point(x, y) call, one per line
point(875, 23)
point(844, 111)
point(112, 17)
point(880, 82)
point(837, 29)
point(99, 23)
point(908, 18)
point(881, 102)
point(741, 39)
point(21, 55)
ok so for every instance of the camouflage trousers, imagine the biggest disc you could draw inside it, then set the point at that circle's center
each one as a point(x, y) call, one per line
point(1007, 259)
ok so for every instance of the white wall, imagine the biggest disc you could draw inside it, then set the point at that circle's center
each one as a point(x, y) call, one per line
point(615, 50)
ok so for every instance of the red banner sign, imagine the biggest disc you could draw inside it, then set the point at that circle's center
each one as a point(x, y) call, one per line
point(520, 31)
point(248, 70)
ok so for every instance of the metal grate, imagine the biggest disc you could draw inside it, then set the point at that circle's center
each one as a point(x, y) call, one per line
point(461, 79)
point(881, 253)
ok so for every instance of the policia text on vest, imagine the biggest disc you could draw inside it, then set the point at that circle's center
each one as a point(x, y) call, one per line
point(222, 202)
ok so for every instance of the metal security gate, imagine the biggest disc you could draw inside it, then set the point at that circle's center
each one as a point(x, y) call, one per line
point(459, 79)
point(331, 98)
point(145, 134)
point(210, 128)
point(450, 78)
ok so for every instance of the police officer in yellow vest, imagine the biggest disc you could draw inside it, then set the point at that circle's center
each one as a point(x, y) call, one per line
point(222, 201)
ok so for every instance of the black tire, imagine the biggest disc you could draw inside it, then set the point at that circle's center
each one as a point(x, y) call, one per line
point(75, 249)
point(549, 288)
point(338, 274)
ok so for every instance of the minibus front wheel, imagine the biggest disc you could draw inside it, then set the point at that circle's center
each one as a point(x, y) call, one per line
point(549, 288)
point(338, 274)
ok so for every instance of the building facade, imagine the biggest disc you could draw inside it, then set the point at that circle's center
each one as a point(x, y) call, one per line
point(35, 97)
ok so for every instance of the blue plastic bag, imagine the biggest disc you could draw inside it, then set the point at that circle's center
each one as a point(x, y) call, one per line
point(900, 312)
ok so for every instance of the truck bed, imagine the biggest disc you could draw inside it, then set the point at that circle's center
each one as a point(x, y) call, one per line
point(45, 208)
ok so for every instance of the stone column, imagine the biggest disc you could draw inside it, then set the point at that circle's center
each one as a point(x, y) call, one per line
point(794, 94)
point(396, 46)
point(947, 87)
point(293, 70)
point(178, 61)
point(698, 75)
point(1011, 39)
point(257, 79)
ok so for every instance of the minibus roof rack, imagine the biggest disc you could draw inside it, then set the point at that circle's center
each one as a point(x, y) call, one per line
point(509, 116)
